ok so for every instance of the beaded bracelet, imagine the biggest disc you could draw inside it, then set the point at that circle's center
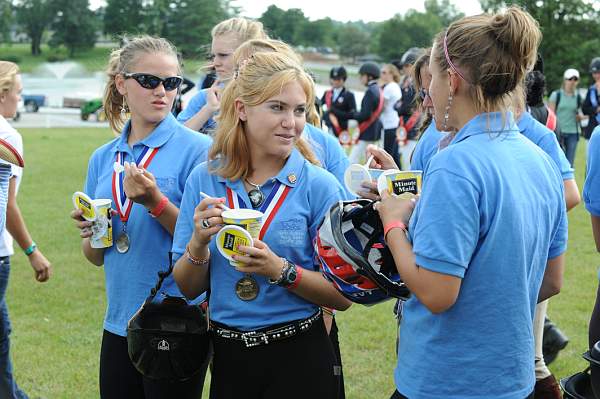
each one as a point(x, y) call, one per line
point(195, 260)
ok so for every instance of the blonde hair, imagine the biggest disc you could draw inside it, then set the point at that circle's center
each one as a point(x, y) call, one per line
point(243, 28)
point(261, 77)
point(251, 47)
point(8, 72)
point(393, 71)
point(120, 61)
point(492, 52)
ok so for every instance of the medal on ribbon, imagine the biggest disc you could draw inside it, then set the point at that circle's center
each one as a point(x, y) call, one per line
point(247, 287)
point(124, 204)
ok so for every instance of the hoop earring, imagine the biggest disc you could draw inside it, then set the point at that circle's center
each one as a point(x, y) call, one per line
point(447, 112)
point(124, 109)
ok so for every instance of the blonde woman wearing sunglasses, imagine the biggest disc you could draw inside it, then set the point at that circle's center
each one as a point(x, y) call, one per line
point(155, 154)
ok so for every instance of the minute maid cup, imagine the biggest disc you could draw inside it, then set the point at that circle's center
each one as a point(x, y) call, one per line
point(229, 240)
point(248, 219)
point(99, 213)
point(405, 184)
point(102, 228)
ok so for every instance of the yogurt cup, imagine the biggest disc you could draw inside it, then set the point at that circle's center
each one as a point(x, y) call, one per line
point(229, 240)
point(356, 173)
point(248, 219)
point(102, 236)
point(405, 184)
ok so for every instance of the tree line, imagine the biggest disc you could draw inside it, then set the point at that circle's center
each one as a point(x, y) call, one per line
point(570, 28)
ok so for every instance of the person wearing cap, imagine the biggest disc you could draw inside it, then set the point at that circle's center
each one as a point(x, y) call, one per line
point(340, 102)
point(369, 125)
point(566, 103)
point(591, 105)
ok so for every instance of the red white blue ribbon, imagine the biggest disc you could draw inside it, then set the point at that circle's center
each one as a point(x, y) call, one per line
point(269, 208)
point(123, 203)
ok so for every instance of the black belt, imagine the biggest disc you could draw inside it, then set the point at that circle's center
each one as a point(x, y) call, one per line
point(266, 335)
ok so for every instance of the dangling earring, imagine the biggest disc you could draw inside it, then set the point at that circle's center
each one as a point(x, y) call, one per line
point(124, 109)
point(447, 112)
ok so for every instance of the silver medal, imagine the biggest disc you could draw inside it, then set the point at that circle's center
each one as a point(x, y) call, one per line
point(122, 243)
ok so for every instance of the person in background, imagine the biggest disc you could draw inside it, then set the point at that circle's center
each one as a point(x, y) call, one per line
point(566, 104)
point(226, 37)
point(157, 155)
point(12, 223)
point(408, 130)
point(340, 102)
point(390, 76)
point(369, 124)
point(591, 104)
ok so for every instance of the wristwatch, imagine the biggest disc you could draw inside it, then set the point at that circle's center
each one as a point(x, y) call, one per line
point(288, 275)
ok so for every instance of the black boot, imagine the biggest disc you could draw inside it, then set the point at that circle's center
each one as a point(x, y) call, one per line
point(554, 341)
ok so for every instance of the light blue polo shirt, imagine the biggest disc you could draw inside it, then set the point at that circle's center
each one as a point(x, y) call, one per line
point(546, 139)
point(591, 187)
point(193, 107)
point(290, 235)
point(329, 152)
point(130, 276)
point(491, 213)
point(427, 147)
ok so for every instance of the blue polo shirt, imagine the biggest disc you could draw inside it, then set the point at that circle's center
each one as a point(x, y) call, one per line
point(329, 152)
point(591, 187)
point(427, 147)
point(289, 235)
point(491, 213)
point(545, 138)
point(130, 276)
point(193, 107)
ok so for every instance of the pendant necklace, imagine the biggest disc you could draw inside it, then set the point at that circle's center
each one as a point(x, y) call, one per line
point(257, 197)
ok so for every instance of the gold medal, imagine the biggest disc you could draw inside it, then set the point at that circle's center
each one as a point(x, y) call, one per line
point(122, 243)
point(246, 288)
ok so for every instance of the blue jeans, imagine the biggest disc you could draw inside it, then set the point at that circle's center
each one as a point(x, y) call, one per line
point(8, 386)
point(568, 142)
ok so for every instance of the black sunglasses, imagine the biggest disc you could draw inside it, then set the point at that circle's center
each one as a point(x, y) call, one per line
point(575, 78)
point(148, 81)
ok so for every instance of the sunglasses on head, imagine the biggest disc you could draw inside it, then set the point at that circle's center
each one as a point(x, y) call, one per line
point(148, 81)
point(575, 78)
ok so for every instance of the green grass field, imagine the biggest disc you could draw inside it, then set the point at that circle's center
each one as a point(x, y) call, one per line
point(57, 326)
point(93, 60)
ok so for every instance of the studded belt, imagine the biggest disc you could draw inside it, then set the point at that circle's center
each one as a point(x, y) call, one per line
point(266, 335)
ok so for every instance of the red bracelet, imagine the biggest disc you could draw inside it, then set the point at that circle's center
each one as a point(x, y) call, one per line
point(396, 224)
point(298, 278)
point(160, 207)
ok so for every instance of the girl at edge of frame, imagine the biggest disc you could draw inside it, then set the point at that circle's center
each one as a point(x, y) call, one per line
point(591, 198)
point(227, 36)
point(157, 155)
point(489, 182)
point(258, 147)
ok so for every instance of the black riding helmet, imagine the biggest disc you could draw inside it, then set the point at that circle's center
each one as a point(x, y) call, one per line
point(370, 68)
point(595, 65)
point(338, 72)
point(168, 340)
point(410, 56)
